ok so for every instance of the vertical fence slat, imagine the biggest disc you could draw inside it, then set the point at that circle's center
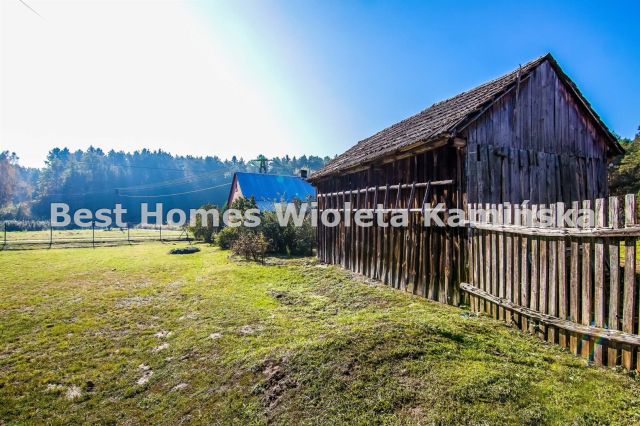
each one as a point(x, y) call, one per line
point(494, 261)
point(598, 279)
point(543, 285)
point(482, 257)
point(553, 277)
point(524, 271)
point(574, 283)
point(508, 294)
point(515, 213)
point(587, 292)
point(628, 311)
point(563, 290)
point(614, 280)
point(473, 258)
point(535, 266)
point(501, 261)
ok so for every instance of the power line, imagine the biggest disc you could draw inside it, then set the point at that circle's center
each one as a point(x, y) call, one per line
point(30, 8)
point(177, 181)
point(131, 166)
point(177, 193)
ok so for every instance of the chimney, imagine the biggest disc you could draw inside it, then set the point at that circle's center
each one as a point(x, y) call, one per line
point(303, 173)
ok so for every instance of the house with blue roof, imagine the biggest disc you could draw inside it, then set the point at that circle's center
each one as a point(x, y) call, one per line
point(267, 190)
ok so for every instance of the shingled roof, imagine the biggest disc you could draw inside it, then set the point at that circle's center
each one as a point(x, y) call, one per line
point(442, 119)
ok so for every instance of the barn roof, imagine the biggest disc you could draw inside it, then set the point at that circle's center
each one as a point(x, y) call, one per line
point(269, 189)
point(443, 119)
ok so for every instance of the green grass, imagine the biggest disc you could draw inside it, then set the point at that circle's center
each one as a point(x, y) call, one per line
point(289, 342)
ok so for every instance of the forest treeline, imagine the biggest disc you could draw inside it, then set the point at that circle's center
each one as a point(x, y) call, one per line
point(96, 179)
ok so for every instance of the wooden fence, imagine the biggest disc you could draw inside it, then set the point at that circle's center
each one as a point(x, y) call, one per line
point(575, 286)
point(426, 261)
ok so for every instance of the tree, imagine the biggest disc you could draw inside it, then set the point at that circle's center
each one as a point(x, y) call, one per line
point(205, 231)
point(8, 176)
point(624, 176)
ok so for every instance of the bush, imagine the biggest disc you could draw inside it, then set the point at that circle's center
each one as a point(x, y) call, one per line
point(251, 245)
point(227, 237)
point(205, 231)
point(24, 225)
point(184, 250)
point(290, 239)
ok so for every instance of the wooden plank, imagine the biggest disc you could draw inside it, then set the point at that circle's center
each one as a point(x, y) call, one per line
point(493, 255)
point(614, 281)
point(631, 231)
point(515, 219)
point(508, 219)
point(588, 331)
point(487, 262)
point(629, 301)
point(552, 306)
point(574, 284)
point(563, 289)
point(535, 268)
point(501, 262)
point(481, 261)
point(524, 276)
point(543, 283)
point(598, 280)
point(384, 273)
point(587, 290)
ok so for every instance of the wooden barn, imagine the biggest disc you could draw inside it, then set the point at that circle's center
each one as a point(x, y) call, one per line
point(528, 135)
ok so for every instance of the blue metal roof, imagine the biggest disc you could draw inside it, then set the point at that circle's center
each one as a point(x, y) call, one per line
point(269, 189)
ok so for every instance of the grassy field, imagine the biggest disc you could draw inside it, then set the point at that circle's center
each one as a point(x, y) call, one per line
point(132, 335)
point(100, 234)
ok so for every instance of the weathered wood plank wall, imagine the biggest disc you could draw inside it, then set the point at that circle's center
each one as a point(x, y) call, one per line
point(428, 261)
point(536, 143)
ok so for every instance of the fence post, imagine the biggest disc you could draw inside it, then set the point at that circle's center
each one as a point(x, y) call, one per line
point(5, 235)
point(93, 233)
point(128, 234)
point(629, 302)
point(50, 234)
point(160, 231)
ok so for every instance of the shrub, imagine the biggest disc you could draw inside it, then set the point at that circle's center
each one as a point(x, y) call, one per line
point(184, 250)
point(289, 239)
point(226, 237)
point(24, 225)
point(205, 231)
point(251, 245)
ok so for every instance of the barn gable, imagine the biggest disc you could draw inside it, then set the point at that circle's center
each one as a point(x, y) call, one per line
point(537, 142)
point(447, 119)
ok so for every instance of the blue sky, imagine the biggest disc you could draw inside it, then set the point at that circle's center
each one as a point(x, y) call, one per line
point(287, 77)
point(379, 61)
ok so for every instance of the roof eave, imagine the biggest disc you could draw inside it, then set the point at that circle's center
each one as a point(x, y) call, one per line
point(417, 147)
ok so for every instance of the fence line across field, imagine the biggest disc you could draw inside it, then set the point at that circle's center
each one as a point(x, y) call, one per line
point(133, 235)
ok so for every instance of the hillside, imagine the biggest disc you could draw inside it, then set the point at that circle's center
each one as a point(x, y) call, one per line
point(96, 179)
